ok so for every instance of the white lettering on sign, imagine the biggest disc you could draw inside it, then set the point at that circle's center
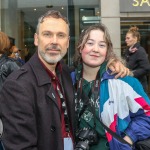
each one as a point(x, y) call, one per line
point(141, 2)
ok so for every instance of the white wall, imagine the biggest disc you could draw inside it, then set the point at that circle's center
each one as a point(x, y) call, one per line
point(110, 16)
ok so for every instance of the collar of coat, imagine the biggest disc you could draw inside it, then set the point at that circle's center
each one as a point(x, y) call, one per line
point(40, 72)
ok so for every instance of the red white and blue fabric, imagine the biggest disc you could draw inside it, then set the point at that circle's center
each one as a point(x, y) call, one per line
point(125, 109)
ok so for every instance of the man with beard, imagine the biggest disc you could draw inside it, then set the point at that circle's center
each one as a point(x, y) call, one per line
point(37, 102)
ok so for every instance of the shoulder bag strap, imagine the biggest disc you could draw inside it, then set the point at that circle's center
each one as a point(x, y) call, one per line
point(114, 134)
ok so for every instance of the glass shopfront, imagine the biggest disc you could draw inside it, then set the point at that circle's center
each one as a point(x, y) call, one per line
point(18, 19)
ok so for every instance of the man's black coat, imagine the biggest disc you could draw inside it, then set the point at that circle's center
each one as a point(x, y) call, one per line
point(29, 110)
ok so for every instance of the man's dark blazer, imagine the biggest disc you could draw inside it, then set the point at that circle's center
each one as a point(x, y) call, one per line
point(29, 110)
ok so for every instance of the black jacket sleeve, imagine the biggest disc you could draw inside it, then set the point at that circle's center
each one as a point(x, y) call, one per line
point(142, 63)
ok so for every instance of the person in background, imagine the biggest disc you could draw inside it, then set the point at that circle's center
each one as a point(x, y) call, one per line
point(7, 64)
point(136, 57)
point(121, 104)
point(37, 102)
point(14, 53)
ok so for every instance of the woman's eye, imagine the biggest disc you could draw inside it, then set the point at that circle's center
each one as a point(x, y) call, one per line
point(102, 45)
point(89, 43)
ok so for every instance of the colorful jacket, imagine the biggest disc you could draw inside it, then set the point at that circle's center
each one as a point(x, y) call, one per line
point(124, 108)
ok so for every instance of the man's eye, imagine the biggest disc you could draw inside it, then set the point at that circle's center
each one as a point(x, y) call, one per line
point(47, 34)
point(61, 36)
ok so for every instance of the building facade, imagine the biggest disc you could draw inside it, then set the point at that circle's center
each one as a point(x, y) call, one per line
point(18, 19)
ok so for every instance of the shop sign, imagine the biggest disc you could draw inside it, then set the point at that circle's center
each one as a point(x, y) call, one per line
point(134, 5)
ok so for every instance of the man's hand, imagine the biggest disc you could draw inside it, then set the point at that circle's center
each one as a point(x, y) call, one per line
point(118, 68)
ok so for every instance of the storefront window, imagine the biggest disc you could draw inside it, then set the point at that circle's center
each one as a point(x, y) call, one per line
point(18, 19)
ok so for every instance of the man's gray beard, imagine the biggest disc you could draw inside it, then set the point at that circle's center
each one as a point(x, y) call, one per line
point(47, 58)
